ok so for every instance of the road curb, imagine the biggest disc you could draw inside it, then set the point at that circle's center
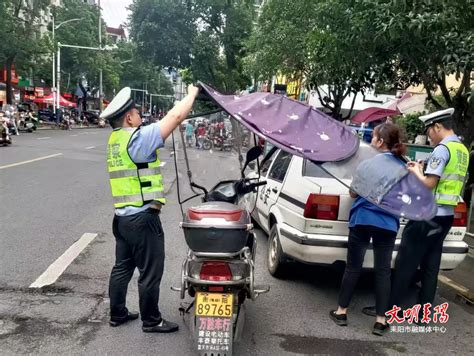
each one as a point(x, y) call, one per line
point(465, 293)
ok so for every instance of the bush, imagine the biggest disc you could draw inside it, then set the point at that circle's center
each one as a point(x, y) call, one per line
point(411, 125)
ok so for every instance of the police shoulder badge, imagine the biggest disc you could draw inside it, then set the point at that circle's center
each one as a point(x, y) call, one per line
point(435, 162)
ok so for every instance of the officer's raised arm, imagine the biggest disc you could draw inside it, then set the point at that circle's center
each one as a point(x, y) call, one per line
point(179, 113)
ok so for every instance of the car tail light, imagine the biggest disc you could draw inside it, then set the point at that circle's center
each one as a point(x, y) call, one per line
point(460, 215)
point(215, 271)
point(322, 206)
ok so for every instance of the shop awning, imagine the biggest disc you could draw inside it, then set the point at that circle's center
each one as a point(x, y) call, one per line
point(373, 114)
point(49, 100)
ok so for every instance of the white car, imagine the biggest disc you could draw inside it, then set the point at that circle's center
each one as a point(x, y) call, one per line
point(305, 213)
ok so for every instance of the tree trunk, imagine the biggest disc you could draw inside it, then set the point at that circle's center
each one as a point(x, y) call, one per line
point(8, 65)
point(464, 118)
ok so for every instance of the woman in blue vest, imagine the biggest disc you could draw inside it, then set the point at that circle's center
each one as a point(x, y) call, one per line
point(368, 222)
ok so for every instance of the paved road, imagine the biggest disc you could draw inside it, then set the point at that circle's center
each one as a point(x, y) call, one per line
point(49, 204)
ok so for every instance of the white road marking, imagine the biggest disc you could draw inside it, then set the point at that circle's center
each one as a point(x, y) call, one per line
point(73, 135)
point(57, 268)
point(43, 138)
point(90, 147)
point(31, 160)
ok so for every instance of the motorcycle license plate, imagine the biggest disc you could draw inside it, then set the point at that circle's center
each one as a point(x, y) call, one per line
point(214, 304)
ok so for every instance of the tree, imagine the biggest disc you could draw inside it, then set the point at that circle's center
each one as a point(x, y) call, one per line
point(429, 40)
point(164, 30)
point(79, 64)
point(323, 46)
point(141, 73)
point(204, 37)
point(21, 38)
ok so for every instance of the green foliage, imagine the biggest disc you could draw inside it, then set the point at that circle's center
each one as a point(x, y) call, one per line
point(140, 73)
point(411, 125)
point(326, 42)
point(429, 40)
point(203, 36)
point(20, 44)
point(81, 64)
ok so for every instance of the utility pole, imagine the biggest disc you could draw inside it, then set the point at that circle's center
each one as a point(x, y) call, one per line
point(54, 74)
point(56, 103)
point(58, 83)
point(100, 46)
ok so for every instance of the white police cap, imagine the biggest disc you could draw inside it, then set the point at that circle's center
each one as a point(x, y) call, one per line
point(122, 103)
point(436, 116)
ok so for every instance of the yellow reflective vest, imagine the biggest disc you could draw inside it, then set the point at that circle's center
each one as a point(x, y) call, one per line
point(132, 184)
point(450, 184)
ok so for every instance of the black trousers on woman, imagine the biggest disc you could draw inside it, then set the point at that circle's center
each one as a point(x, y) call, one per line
point(140, 244)
point(383, 242)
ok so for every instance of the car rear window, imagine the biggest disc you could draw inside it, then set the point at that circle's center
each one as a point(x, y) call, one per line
point(313, 170)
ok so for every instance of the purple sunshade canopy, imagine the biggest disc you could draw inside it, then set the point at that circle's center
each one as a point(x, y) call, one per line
point(290, 125)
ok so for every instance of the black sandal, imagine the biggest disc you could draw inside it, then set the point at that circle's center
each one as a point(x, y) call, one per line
point(339, 319)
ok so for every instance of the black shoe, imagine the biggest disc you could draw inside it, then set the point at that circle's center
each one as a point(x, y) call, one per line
point(339, 319)
point(163, 327)
point(115, 321)
point(370, 311)
point(380, 329)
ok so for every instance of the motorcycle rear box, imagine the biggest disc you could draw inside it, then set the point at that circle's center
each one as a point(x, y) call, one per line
point(216, 227)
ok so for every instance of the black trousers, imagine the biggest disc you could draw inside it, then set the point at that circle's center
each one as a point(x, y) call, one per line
point(139, 244)
point(383, 242)
point(421, 245)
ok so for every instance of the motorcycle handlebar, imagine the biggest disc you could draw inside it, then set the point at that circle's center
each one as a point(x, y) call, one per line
point(259, 183)
point(199, 187)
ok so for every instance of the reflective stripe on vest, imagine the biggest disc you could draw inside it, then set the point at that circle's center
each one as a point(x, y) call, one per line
point(132, 198)
point(449, 188)
point(453, 177)
point(134, 173)
point(132, 184)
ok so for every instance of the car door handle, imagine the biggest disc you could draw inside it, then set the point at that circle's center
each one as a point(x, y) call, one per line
point(274, 190)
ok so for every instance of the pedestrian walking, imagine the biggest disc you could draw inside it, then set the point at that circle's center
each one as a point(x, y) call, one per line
point(422, 241)
point(201, 133)
point(137, 189)
point(367, 222)
point(189, 133)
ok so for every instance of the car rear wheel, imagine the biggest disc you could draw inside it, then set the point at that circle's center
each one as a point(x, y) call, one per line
point(276, 259)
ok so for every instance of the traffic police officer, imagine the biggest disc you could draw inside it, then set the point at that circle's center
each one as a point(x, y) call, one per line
point(422, 241)
point(137, 189)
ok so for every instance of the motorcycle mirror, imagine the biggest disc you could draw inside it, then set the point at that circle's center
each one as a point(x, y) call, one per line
point(252, 155)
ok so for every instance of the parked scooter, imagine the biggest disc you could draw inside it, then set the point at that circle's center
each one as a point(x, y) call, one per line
point(5, 137)
point(28, 122)
point(218, 142)
point(218, 271)
point(11, 124)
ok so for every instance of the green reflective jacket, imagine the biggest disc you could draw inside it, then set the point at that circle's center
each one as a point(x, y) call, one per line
point(132, 184)
point(449, 188)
